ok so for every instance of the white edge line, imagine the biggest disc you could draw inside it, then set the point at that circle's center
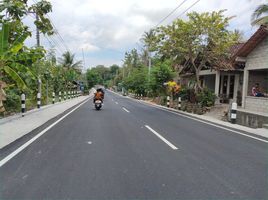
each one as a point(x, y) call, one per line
point(162, 138)
point(199, 120)
point(215, 125)
point(17, 151)
point(125, 109)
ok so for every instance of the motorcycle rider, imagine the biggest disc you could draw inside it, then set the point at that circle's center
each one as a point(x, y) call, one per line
point(98, 95)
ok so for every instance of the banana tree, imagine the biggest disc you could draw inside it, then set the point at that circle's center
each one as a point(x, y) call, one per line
point(8, 53)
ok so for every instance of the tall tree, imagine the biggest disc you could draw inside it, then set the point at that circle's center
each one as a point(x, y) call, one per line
point(260, 15)
point(203, 39)
point(68, 61)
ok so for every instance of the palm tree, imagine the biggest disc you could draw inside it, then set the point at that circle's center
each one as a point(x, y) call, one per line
point(148, 39)
point(257, 18)
point(67, 61)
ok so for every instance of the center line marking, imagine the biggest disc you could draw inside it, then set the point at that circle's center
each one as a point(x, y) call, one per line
point(162, 138)
point(125, 109)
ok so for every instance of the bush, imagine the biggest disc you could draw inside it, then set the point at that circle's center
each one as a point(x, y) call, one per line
point(206, 97)
point(13, 101)
point(187, 94)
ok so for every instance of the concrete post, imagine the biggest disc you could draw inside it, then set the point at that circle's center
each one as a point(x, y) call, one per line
point(233, 112)
point(217, 83)
point(245, 87)
point(228, 86)
point(23, 104)
point(236, 84)
point(38, 100)
point(179, 103)
point(59, 96)
point(53, 97)
point(168, 101)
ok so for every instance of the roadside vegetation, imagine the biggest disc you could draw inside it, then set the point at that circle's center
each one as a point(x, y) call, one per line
point(183, 47)
point(21, 66)
point(154, 71)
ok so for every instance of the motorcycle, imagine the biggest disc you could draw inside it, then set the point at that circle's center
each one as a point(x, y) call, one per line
point(98, 104)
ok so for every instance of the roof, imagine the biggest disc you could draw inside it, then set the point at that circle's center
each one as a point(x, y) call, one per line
point(238, 50)
point(253, 41)
point(235, 48)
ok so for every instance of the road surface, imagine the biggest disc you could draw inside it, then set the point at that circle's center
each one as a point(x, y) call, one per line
point(129, 150)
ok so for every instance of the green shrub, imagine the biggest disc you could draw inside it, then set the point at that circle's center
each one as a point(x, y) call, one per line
point(13, 101)
point(206, 97)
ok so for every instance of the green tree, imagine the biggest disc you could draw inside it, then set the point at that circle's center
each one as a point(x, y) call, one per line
point(162, 73)
point(137, 81)
point(68, 62)
point(260, 15)
point(93, 77)
point(202, 41)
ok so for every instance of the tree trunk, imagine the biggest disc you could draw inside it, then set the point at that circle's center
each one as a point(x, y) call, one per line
point(197, 76)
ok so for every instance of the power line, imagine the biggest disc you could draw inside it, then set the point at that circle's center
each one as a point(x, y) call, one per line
point(57, 33)
point(170, 13)
point(51, 40)
point(61, 40)
point(187, 9)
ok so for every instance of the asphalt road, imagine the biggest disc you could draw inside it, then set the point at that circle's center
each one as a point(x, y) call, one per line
point(129, 150)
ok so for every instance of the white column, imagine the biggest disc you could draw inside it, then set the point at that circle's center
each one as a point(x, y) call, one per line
point(217, 83)
point(245, 87)
point(221, 90)
point(236, 83)
point(228, 85)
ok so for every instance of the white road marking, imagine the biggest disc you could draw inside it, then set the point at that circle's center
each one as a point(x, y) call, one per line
point(116, 102)
point(89, 142)
point(125, 109)
point(17, 151)
point(162, 138)
point(211, 124)
point(199, 120)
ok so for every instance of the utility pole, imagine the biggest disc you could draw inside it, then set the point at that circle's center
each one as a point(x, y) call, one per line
point(37, 32)
point(83, 59)
point(150, 63)
point(38, 68)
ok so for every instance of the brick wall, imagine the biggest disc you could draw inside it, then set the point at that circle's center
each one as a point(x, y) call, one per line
point(257, 104)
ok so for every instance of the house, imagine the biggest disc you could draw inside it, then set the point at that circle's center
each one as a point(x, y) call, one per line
point(233, 81)
point(254, 53)
point(226, 80)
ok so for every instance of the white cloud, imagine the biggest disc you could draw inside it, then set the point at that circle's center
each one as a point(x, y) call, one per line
point(98, 25)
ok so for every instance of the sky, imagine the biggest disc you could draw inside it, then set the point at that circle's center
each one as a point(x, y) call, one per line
point(99, 32)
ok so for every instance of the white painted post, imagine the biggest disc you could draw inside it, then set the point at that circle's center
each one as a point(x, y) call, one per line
point(53, 97)
point(23, 104)
point(59, 96)
point(38, 100)
point(233, 112)
point(179, 104)
point(168, 101)
point(64, 95)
